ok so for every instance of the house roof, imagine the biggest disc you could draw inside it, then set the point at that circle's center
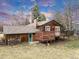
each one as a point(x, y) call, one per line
point(47, 21)
point(42, 22)
point(31, 28)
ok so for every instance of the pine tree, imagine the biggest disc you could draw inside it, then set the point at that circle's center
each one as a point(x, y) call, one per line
point(37, 15)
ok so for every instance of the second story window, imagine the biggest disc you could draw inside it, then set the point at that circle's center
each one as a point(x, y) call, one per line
point(47, 28)
point(57, 28)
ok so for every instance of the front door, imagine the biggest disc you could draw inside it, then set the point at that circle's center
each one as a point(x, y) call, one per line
point(24, 38)
point(30, 37)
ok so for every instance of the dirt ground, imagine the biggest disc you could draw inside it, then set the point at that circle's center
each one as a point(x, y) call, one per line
point(39, 51)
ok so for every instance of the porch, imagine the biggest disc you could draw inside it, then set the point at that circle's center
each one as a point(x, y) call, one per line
point(13, 39)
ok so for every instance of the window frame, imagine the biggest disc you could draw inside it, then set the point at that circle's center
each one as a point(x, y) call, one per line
point(47, 28)
point(57, 28)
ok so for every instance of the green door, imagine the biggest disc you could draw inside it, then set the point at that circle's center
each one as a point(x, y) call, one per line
point(30, 37)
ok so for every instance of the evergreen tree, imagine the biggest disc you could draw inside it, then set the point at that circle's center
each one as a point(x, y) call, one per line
point(42, 17)
point(37, 15)
point(35, 12)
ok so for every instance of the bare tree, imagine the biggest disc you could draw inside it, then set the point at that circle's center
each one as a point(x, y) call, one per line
point(71, 12)
point(68, 14)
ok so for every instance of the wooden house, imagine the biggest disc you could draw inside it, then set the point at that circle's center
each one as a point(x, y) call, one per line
point(37, 31)
point(49, 30)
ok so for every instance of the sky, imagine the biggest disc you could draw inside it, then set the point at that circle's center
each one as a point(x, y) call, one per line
point(47, 7)
point(14, 5)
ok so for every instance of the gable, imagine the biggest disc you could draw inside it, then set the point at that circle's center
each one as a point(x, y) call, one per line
point(50, 23)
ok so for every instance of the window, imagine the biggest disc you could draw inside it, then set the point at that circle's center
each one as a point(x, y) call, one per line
point(57, 28)
point(47, 28)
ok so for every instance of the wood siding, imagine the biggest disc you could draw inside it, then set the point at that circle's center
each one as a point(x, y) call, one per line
point(21, 37)
point(42, 35)
point(46, 35)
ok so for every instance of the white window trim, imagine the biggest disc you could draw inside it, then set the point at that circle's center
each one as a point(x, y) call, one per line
point(47, 28)
point(57, 30)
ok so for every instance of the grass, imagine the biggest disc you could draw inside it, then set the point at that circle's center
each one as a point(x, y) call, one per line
point(59, 50)
point(73, 44)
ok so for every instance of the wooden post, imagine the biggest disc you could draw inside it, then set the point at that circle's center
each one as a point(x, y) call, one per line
point(6, 41)
point(20, 38)
point(30, 37)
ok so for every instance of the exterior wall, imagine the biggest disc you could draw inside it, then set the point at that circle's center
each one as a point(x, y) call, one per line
point(39, 36)
point(34, 37)
point(20, 37)
point(46, 35)
point(24, 38)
